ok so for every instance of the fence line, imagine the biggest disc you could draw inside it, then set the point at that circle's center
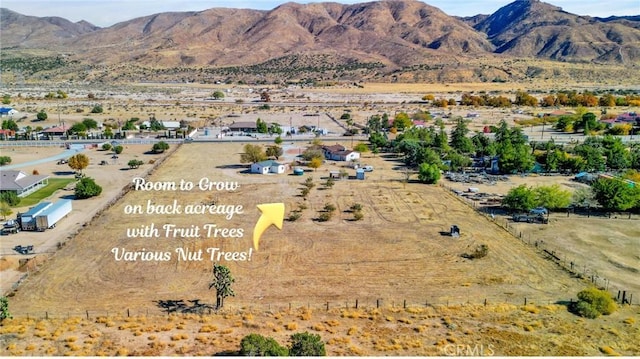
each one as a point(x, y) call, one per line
point(349, 306)
point(554, 253)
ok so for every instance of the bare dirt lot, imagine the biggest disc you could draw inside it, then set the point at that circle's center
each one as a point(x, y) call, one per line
point(395, 253)
point(112, 177)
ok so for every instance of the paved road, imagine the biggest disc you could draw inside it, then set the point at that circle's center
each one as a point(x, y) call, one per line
point(65, 154)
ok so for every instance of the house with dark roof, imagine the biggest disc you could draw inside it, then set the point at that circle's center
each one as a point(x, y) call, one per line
point(243, 127)
point(339, 153)
point(56, 131)
point(21, 183)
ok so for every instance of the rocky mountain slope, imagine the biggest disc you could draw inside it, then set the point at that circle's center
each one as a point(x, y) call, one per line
point(374, 38)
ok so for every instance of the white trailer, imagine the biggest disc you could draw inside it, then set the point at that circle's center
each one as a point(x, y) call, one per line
point(50, 216)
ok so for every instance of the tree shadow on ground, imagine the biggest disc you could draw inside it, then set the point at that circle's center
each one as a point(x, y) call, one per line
point(180, 306)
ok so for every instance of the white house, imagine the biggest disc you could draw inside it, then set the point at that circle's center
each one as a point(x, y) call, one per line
point(268, 166)
point(169, 125)
point(7, 111)
point(339, 153)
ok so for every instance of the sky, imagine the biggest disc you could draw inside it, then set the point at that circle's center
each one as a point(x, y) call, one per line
point(105, 13)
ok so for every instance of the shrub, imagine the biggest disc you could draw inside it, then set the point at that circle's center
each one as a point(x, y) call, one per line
point(160, 147)
point(5, 160)
point(328, 207)
point(306, 344)
point(118, 149)
point(10, 197)
point(135, 163)
point(324, 216)
point(480, 252)
point(294, 216)
point(4, 309)
point(257, 345)
point(593, 302)
point(87, 188)
point(106, 146)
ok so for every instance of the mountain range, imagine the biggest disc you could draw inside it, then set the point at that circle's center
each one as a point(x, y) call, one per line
point(389, 38)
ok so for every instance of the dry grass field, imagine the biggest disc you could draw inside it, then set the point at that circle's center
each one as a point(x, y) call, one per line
point(395, 254)
point(83, 300)
point(497, 329)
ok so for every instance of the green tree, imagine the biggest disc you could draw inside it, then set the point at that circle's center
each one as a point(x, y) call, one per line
point(79, 162)
point(90, 123)
point(275, 129)
point(87, 188)
point(155, 125)
point(130, 124)
point(5, 160)
point(97, 109)
point(361, 147)
point(222, 281)
point(617, 156)
point(552, 197)
point(5, 209)
point(261, 126)
point(313, 152)
point(217, 95)
point(41, 115)
point(10, 125)
point(378, 140)
point(252, 154)
point(583, 196)
point(593, 302)
point(274, 151)
point(106, 146)
point(519, 199)
point(306, 344)
point(257, 345)
point(118, 149)
point(402, 121)
point(135, 163)
point(77, 128)
point(278, 140)
point(615, 195)
point(10, 197)
point(429, 173)
point(160, 147)
point(4, 309)
point(459, 139)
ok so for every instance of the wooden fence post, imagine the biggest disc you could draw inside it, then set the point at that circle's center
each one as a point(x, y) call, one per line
point(356, 304)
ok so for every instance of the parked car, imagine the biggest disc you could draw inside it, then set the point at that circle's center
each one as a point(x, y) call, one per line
point(367, 168)
point(539, 210)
